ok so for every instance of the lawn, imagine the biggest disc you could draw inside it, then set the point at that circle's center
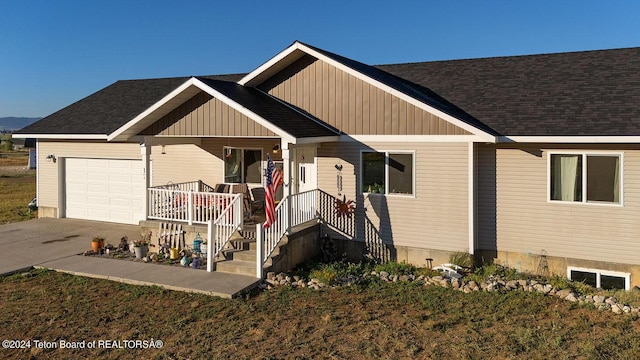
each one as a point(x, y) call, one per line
point(17, 187)
point(377, 320)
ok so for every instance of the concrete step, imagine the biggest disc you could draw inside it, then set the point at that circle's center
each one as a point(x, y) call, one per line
point(246, 255)
point(237, 267)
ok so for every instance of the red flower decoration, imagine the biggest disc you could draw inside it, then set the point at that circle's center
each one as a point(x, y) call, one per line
point(345, 207)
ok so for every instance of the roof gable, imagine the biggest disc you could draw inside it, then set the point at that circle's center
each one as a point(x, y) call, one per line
point(351, 104)
point(418, 96)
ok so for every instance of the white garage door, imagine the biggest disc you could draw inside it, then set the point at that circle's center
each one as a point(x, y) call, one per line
point(104, 190)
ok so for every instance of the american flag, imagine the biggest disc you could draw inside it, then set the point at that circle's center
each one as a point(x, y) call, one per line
point(274, 178)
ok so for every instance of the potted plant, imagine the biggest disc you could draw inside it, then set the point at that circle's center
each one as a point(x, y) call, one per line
point(141, 247)
point(97, 243)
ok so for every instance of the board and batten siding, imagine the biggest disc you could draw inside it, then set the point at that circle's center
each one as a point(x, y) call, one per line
point(435, 218)
point(204, 115)
point(190, 162)
point(51, 175)
point(515, 215)
point(350, 104)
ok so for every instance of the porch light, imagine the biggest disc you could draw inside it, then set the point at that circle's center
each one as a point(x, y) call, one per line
point(275, 149)
point(163, 151)
point(51, 158)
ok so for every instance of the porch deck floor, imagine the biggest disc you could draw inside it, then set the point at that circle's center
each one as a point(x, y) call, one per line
point(168, 277)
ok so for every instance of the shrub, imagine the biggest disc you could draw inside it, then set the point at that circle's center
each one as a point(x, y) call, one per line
point(461, 259)
point(396, 268)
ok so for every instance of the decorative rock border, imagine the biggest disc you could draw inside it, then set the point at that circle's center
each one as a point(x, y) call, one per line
point(492, 284)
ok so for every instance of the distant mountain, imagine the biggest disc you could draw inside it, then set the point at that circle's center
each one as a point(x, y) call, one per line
point(8, 124)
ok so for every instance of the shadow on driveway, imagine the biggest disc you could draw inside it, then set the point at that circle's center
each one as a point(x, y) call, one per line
point(33, 242)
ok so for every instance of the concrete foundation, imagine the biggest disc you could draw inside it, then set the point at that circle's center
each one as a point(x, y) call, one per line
point(552, 265)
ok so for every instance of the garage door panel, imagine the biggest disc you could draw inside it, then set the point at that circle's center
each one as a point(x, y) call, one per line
point(105, 190)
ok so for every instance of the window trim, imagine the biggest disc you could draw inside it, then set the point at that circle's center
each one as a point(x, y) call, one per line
point(242, 174)
point(599, 273)
point(386, 172)
point(585, 154)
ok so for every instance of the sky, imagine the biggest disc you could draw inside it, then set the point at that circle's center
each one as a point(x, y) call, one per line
point(54, 53)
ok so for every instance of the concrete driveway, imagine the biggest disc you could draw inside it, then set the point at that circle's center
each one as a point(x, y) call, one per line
point(31, 243)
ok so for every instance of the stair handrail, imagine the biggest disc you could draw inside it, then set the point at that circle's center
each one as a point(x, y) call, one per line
point(221, 229)
point(303, 207)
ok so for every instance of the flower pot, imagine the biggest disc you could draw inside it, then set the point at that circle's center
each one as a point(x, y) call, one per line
point(95, 246)
point(141, 251)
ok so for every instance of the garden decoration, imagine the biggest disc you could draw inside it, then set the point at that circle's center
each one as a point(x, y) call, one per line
point(141, 247)
point(345, 207)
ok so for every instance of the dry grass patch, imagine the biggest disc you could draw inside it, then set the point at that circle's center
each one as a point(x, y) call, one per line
point(377, 320)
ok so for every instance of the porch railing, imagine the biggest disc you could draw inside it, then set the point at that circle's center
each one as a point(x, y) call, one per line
point(304, 207)
point(222, 228)
point(194, 207)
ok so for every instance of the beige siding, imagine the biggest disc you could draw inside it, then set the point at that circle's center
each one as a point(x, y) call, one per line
point(525, 222)
point(350, 104)
point(50, 174)
point(182, 163)
point(204, 115)
point(436, 218)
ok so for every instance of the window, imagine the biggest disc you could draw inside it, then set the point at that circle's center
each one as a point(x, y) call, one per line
point(387, 172)
point(242, 165)
point(590, 178)
point(600, 279)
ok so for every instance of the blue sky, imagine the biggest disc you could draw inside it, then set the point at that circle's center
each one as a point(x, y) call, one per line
point(53, 53)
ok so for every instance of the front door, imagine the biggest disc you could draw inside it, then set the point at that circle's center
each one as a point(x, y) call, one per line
point(306, 169)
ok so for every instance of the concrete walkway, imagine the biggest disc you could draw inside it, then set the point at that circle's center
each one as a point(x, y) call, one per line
point(57, 244)
point(166, 276)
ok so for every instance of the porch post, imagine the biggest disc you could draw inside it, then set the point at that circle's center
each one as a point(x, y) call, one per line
point(145, 152)
point(211, 234)
point(288, 183)
point(259, 250)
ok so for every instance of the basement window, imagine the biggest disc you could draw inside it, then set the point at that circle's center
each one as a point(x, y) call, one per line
point(600, 279)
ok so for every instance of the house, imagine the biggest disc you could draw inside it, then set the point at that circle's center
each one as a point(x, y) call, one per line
point(528, 161)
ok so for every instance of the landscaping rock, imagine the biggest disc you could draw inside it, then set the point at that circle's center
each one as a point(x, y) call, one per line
point(563, 293)
point(598, 299)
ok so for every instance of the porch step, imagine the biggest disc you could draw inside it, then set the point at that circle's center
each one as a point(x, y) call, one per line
point(242, 261)
point(237, 267)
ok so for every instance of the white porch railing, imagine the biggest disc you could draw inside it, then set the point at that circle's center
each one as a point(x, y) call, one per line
point(191, 206)
point(222, 228)
point(304, 207)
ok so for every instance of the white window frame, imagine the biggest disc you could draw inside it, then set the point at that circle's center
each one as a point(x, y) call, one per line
point(599, 273)
point(585, 154)
point(242, 174)
point(386, 172)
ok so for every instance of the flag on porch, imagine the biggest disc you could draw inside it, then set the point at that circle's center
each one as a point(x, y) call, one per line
point(274, 178)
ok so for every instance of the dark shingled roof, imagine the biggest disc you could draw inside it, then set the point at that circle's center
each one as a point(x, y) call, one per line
point(590, 93)
point(587, 93)
point(274, 111)
point(108, 109)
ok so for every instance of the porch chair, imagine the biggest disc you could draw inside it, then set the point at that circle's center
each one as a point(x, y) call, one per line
point(246, 198)
point(257, 203)
point(221, 188)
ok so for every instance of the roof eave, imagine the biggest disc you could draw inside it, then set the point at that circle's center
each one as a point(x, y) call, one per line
point(61, 136)
point(592, 139)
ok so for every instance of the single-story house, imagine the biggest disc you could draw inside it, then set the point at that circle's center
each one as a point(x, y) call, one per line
point(528, 161)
